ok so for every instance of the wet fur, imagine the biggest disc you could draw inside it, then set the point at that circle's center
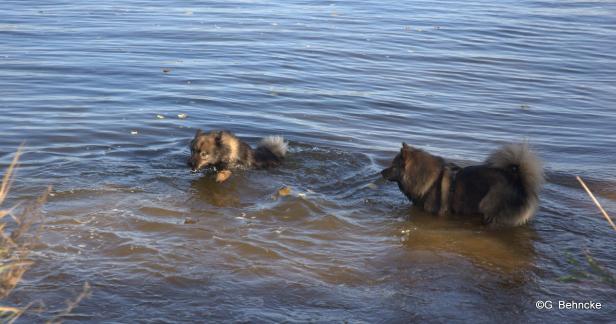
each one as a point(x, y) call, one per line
point(503, 190)
point(224, 151)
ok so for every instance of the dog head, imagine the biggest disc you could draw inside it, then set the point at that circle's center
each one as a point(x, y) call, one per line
point(206, 149)
point(414, 170)
point(399, 164)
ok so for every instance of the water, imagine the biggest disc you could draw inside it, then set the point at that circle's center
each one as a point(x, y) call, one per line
point(345, 82)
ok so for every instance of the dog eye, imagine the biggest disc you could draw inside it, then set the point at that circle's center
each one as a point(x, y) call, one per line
point(203, 154)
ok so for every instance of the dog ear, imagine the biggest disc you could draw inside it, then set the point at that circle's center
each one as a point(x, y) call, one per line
point(218, 139)
point(199, 132)
point(405, 151)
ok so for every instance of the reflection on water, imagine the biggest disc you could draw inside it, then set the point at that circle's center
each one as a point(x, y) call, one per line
point(207, 190)
point(504, 250)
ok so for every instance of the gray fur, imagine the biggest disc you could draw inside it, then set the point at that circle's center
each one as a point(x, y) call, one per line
point(520, 155)
point(276, 145)
point(505, 211)
point(504, 190)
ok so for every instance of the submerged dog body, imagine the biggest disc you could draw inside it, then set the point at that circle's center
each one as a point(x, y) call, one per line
point(224, 151)
point(503, 190)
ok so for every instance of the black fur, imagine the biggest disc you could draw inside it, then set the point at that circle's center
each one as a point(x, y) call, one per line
point(503, 190)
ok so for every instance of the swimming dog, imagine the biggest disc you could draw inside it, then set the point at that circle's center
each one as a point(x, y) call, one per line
point(224, 151)
point(503, 190)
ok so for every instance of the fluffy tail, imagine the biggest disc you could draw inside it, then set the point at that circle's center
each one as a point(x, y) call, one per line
point(523, 163)
point(276, 145)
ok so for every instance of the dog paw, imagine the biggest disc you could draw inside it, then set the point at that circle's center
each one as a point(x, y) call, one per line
point(222, 176)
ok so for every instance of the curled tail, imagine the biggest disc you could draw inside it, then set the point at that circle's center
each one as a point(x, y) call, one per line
point(276, 145)
point(519, 160)
point(270, 152)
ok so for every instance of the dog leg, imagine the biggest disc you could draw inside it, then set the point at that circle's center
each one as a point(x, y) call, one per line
point(222, 176)
point(495, 205)
point(445, 187)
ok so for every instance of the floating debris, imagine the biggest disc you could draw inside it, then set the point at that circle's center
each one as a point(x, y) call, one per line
point(284, 191)
point(190, 221)
point(182, 116)
point(524, 106)
point(134, 132)
point(160, 116)
point(166, 70)
point(372, 186)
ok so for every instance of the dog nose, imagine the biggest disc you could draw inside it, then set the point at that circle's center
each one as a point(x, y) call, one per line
point(192, 165)
point(385, 173)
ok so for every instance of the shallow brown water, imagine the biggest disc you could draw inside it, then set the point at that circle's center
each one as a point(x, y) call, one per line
point(345, 83)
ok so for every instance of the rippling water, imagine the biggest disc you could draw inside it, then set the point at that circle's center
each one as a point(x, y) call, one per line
point(82, 84)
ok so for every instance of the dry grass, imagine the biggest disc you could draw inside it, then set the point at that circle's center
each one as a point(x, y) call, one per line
point(590, 270)
point(607, 217)
point(19, 231)
point(71, 304)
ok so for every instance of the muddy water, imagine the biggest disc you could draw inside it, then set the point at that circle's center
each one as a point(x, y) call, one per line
point(345, 82)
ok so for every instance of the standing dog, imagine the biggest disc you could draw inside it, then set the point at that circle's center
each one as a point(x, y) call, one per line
point(503, 190)
point(224, 151)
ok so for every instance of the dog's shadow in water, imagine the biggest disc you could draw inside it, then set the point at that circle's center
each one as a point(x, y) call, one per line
point(507, 250)
point(242, 189)
point(227, 194)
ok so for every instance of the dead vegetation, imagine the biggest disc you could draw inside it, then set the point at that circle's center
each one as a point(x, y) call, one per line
point(594, 199)
point(20, 228)
point(589, 270)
